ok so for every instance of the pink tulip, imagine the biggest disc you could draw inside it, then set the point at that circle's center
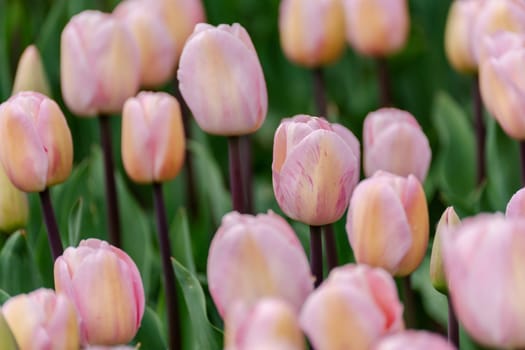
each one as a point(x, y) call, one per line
point(42, 320)
point(387, 223)
point(484, 262)
point(315, 169)
point(393, 141)
point(99, 64)
point(36, 149)
point(516, 205)
point(105, 286)
point(353, 308)
point(226, 94)
point(413, 340)
point(254, 257)
point(30, 73)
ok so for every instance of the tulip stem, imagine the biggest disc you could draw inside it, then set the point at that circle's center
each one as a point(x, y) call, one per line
point(172, 306)
point(316, 254)
point(330, 246)
point(384, 82)
point(453, 326)
point(480, 129)
point(51, 224)
point(109, 177)
point(408, 301)
point(522, 153)
point(247, 172)
point(236, 180)
point(320, 92)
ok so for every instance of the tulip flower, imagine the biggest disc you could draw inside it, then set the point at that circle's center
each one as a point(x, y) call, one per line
point(118, 347)
point(413, 340)
point(516, 205)
point(393, 141)
point(14, 207)
point(387, 223)
point(254, 257)
point(353, 308)
point(312, 32)
point(7, 340)
point(30, 74)
point(42, 320)
point(483, 262)
point(105, 286)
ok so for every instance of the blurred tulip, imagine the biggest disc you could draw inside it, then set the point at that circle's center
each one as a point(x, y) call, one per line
point(516, 205)
point(99, 64)
point(315, 169)
point(353, 308)
point(152, 137)
point(42, 320)
point(253, 257)
point(36, 148)
point(377, 27)
point(105, 286)
point(14, 207)
point(484, 262)
point(393, 141)
point(227, 95)
point(312, 31)
point(7, 340)
point(30, 73)
point(387, 223)
point(413, 340)
point(118, 347)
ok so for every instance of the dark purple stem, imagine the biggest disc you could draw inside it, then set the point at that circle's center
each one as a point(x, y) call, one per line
point(409, 302)
point(319, 92)
point(522, 153)
point(236, 183)
point(480, 129)
point(247, 172)
point(51, 224)
point(316, 254)
point(384, 82)
point(330, 246)
point(453, 326)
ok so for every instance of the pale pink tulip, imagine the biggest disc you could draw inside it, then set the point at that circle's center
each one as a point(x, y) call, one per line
point(254, 257)
point(315, 169)
point(222, 81)
point(30, 73)
point(105, 286)
point(516, 205)
point(387, 223)
point(413, 340)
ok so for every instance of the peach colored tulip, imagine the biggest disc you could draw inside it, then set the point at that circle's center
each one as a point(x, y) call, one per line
point(413, 340)
point(484, 262)
point(226, 94)
point(36, 149)
point(152, 137)
point(353, 308)
point(315, 169)
point(393, 141)
point(42, 320)
point(387, 223)
point(7, 340)
point(30, 73)
point(312, 31)
point(377, 27)
point(105, 286)
point(99, 64)
point(254, 257)
point(516, 205)
point(14, 207)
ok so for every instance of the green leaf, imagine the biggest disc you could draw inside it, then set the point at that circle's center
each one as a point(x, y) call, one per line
point(75, 222)
point(3, 296)
point(150, 335)
point(181, 241)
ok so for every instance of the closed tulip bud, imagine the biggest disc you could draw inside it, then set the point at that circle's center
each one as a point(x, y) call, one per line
point(393, 141)
point(36, 149)
point(315, 169)
point(516, 205)
point(42, 320)
point(14, 207)
point(30, 74)
point(7, 340)
point(387, 223)
point(484, 262)
point(353, 308)
point(226, 94)
point(377, 27)
point(105, 286)
point(152, 137)
point(99, 64)
point(255, 257)
point(449, 220)
point(413, 340)
point(312, 32)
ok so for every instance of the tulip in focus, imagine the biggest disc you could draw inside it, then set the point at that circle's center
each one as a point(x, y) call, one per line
point(152, 137)
point(99, 64)
point(516, 205)
point(393, 141)
point(42, 320)
point(413, 340)
point(14, 207)
point(105, 286)
point(387, 223)
point(315, 169)
point(30, 73)
point(353, 308)
point(7, 340)
point(36, 149)
point(226, 94)
point(377, 27)
point(312, 31)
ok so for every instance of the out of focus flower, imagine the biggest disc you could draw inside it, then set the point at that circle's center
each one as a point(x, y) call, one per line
point(14, 208)
point(30, 73)
point(516, 205)
point(413, 340)
point(118, 347)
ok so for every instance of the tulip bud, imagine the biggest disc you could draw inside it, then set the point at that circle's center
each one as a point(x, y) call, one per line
point(226, 94)
point(516, 205)
point(36, 149)
point(14, 207)
point(152, 137)
point(253, 257)
point(394, 142)
point(377, 27)
point(105, 286)
point(449, 220)
point(387, 223)
point(315, 169)
point(7, 340)
point(312, 32)
point(413, 340)
point(353, 308)
point(42, 320)
point(99, 64)
point(30, 73)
